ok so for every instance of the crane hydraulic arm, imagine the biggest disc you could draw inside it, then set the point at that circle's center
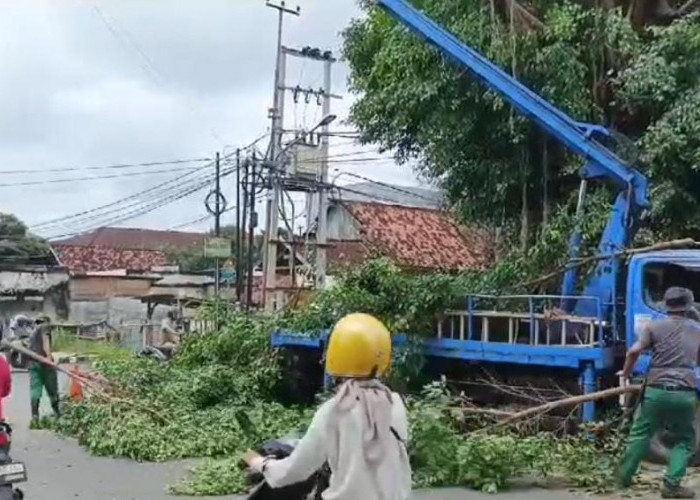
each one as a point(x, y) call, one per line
point(579, 138)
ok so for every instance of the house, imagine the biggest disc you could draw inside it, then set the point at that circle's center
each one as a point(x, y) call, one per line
point(112, 269)
point(111, 248)
point(369, 220)
point(33, 290)
point(415, 238)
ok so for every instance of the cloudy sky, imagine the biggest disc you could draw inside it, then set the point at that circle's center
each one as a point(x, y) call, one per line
point(101, 83)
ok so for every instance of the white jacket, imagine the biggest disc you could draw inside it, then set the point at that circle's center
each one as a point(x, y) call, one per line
point(340, 438)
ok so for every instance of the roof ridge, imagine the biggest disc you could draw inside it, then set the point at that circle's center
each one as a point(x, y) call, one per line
point(397, 205)
point(105, 247)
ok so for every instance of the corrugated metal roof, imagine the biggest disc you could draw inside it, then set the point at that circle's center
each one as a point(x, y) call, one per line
point(38, 282)
point(371, 192)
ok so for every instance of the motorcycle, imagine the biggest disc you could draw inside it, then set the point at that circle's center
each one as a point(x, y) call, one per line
point(19, 331)
point(311, 489)
point(159, 354)
point(17, 359)
point(11, 472)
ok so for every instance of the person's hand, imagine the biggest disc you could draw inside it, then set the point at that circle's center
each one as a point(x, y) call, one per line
point(254, 460)
point(625, 378)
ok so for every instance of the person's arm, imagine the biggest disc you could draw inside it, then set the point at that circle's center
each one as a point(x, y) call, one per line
point(643, 343)
point(47, 344)
point(168, 328)
point(399, 418)
point(307, 457)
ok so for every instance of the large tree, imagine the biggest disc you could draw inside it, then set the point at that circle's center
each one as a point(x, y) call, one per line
point(599, 61)
point(18, 246)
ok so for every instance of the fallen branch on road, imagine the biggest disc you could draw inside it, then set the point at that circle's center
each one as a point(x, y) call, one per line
point(88, 384)
point(572, 401)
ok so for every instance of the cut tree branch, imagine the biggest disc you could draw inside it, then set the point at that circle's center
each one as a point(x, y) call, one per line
point(666, 245)
point(85, 382)
point(688, 8)
point(574, 400)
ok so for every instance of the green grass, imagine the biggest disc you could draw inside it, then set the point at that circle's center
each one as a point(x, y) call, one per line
point(101, 349)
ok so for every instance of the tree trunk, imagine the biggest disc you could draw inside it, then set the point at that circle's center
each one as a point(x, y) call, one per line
point(525, 213)
point(545, 181)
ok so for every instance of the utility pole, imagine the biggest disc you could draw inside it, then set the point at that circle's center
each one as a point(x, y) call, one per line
point(244, 227)
point(217, 221)
point(274, 194)
point(322, 229)
point(251, 229)
point(239, 230)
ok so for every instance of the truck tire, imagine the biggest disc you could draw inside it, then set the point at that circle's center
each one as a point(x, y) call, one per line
point(660, 446)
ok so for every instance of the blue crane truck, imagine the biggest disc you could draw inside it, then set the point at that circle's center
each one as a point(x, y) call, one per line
point(594, 321)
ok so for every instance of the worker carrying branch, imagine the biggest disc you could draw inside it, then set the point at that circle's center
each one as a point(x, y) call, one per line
point(41, 375)
point(670, 397)
point(361, 432)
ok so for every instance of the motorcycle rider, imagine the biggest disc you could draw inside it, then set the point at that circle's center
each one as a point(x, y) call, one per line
point(361, 432)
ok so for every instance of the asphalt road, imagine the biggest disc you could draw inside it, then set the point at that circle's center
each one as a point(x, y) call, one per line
point(60, 470)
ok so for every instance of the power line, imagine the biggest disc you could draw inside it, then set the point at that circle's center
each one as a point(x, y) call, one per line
point(389, 186)
point(105, 167)
point(356, 191)
point(351, 160)
point(173, 193)
point(123, 36)
point(111, 204)
point(158, 190)
point(131, 200)
point(208, 216)
point(146, 209)
point(97, 177)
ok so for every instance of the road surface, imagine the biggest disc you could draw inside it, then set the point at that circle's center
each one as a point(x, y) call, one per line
point(60, 470)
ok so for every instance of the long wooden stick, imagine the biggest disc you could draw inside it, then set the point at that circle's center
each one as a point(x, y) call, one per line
point(574, 400)
point(90, 385)
point(666, 245)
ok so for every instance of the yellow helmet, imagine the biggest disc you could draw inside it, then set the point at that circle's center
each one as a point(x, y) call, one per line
point(359, 347)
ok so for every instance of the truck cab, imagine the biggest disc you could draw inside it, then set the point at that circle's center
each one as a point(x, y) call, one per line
point(649, 275)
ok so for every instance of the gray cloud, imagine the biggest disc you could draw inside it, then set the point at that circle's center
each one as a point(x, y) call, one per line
point(76, 90)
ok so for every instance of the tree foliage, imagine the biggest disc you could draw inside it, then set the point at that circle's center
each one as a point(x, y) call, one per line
point(601, 65)
point(218, 398)
point(18, 246)
point(194, 260)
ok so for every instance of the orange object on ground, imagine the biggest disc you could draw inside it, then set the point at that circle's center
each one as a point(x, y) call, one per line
point(76, 388)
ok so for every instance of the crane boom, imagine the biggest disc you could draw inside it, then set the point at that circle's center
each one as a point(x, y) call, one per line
point(579, 138)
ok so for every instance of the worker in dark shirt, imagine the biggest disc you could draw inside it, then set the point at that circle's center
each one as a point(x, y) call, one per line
point(670, 398)
point(41, 375)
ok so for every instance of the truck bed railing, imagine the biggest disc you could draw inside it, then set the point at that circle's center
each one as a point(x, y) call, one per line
point(530, 320)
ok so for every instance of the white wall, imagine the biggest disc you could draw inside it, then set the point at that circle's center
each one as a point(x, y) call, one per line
point(341, 225)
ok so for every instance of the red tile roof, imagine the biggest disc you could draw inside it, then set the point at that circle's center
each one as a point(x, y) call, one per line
point(344, 253)
point(82, 259)
point(134, 239)
point(417, 238)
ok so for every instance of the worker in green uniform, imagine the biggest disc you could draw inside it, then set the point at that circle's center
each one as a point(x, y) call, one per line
point(670, 398)
point(41, 375)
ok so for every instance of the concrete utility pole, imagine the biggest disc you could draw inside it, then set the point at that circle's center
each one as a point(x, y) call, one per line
point(217, 221)
point(322, 230)
point(274, 194)
point(251, 229)
point(239, 231)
